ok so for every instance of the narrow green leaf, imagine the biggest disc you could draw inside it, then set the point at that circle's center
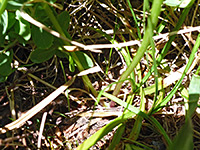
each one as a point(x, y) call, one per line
point(4, 22)
point(42, 55)
point(3, 4)
point(71, 64)
point(194, 93)
point(117, 136)
point(85, 60)
point(135, 110)
point(3, 26)
point(184, 139)
point(179, 3)
point(173, 91)
point(103, 131)
point(11, 20)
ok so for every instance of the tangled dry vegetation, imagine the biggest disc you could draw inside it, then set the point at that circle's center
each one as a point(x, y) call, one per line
point(67, 118)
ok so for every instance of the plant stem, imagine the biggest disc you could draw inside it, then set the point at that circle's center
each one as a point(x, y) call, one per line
point(85, 78)
point(3, 4)
point(156, 8)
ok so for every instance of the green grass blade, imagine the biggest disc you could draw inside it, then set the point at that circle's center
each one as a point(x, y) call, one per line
point(134, 18)
point(3, 4)
point(138, 122)
point(184, 140)
point(173, 91)
point(194, 93)
point(168, 44)
point(103, 131)
point(156, 8)
point(54, 21)
point(198, 70)
point(138, 143)
point(135, 110)
point(117, 137)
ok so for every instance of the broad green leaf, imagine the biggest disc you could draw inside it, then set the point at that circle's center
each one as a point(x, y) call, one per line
point(186, 3)
point(62, 54)
point(42, 55)
point(64, 19)
point(12, 35)
point(194, 87)
point(42, 38)
point(40, 14)
point(24, 27)
point(5, 63)
point(85, 60)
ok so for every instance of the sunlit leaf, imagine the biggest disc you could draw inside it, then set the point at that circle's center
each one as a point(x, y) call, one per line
point(194, 93)
point(4, 22)
point(179, 3)
point(24, 27)
point(85, 60)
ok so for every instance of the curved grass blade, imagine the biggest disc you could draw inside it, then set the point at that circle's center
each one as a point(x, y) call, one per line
point(135, 110)
point(168, 44)
point(173, 91)
point(117, 136)
point(156, 9)
point(103, 131)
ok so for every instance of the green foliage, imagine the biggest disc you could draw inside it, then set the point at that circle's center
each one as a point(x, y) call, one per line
point(184, 139)
point(40, 55)
point(41, 38)
point(179, 3)
point(63, 19)
point(85, 60)
point(5, 64)
point(22, 27)
point(14, 27)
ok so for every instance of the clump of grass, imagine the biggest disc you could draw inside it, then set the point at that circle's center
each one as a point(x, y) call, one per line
point(144, 37)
